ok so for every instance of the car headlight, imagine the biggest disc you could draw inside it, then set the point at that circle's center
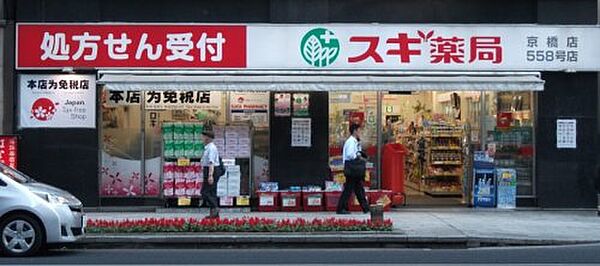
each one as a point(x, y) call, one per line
point(52, 199)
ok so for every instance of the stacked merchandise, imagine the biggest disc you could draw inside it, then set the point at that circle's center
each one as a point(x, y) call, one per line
point(182, 181)
point(182, 140)
point(233, 141)
point(228, 187)
point(514, 150)
point(445, 166)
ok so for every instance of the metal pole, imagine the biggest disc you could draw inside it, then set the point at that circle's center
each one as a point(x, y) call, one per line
point(379, 115)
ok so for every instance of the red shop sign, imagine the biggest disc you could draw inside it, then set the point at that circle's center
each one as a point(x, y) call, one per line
point(130, 46)
point(8, 151)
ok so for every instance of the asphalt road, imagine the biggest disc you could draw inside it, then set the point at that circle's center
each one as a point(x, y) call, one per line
point(543, 255)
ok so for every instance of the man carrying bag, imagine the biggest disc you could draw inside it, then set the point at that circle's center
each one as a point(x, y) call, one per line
point(354, 170)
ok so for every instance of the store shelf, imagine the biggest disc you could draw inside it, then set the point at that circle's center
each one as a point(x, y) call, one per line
point(447, 163)
point(434, 193)
point(443, 175)
point(412, 185)
point(446, 148)
point(446, 135)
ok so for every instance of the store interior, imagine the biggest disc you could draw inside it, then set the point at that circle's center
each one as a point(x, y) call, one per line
point(143, 145)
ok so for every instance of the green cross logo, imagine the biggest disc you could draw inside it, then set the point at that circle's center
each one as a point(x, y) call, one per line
point(319, 47)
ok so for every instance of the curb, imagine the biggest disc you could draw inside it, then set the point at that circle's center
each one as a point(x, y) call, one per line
point(312, 240)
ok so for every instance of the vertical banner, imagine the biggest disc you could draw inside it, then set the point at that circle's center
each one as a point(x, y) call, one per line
point(57, 101)
point(8, 151)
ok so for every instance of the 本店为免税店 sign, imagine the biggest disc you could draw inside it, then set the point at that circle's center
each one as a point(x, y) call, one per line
point(57, 101)
point(165, 99)
point(305, 46)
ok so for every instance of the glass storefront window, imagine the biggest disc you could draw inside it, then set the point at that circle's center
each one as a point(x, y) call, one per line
point(355, 107)
point(121, 150)
point(509, 135)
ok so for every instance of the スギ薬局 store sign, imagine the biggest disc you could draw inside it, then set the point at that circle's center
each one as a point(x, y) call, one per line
point(328, 46)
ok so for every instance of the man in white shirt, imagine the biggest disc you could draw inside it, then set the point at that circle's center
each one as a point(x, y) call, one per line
point(210, 162)
point(352, 151)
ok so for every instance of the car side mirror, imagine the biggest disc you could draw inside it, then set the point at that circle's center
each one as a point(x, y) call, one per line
point(2, 183)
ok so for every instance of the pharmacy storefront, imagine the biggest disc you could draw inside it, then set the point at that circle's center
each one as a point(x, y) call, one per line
point(280, 99)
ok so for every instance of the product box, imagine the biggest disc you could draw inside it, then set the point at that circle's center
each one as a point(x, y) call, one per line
point(268, 186)
point(179, 148)
point(168, 170)
point(219, 131)
point(226, 201)
point(169, 149)
point(243, 154)
point(222, 187)
point(244, 141)
point(230, 154)
point(233, 187)
point(219, 141)
point(243, 148)
point(190, 187)
point(198, 128)
point(180, 187)
point(178, 131)
point(231, 141)
point(198, 190)
point(228, 162)
point(232, 168)
point(188, 151)
point(188, 131)
point(168, 187)
point(333, 186)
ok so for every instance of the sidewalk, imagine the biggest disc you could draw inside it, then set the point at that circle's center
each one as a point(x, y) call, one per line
point(412, 227)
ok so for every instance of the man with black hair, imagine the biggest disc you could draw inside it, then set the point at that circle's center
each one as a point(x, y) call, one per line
point(353, 155)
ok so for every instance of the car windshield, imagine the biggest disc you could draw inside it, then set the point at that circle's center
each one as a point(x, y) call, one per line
point(15, 175)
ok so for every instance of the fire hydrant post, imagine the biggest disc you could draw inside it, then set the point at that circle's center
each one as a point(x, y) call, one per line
point(377, 213)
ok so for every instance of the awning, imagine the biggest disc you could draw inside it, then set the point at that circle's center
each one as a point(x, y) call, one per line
point(177, 82)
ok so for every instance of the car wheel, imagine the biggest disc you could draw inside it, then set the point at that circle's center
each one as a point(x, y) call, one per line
point(21, 235)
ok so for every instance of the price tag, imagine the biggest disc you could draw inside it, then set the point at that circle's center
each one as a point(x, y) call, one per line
point(289, 202)
point(184, 201)
point(314, 201)
point(267, 201)
point(183, 162)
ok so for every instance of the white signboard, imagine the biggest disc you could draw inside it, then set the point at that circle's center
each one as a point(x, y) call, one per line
point(424, 47)
point(254, 106)
point(57, 101)
point(472, 47)
point(566, 133)
point(301, 132)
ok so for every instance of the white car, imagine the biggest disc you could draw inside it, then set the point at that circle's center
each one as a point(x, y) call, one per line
point(33, 214)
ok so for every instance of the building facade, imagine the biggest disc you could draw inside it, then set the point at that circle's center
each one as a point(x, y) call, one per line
point(78, 159)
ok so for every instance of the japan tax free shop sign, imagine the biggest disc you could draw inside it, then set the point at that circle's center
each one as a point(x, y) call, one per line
point(483, 47)
point(57, 101)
